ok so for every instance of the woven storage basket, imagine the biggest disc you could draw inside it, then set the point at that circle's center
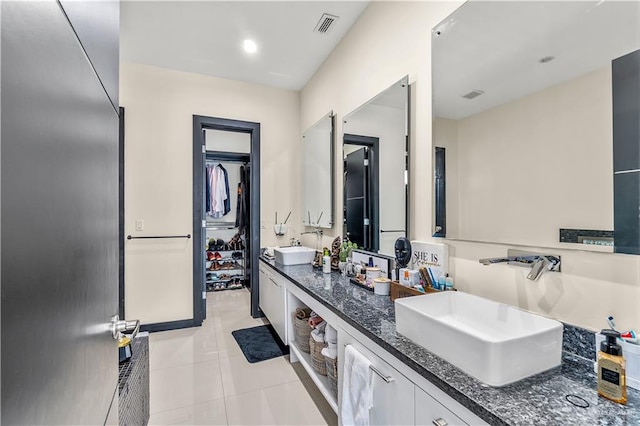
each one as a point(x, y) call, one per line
point(317, 359)
point(332, 374)
point(301, 329)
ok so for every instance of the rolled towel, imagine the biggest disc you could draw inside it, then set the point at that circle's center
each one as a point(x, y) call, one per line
point(315, 319)
point(302, 313)
point(330, 334)
point(317, 336)
point(320, 327)
point(329, 353)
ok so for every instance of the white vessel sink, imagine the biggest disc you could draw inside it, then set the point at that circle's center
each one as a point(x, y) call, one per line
point(297, 255)
point(493, 342)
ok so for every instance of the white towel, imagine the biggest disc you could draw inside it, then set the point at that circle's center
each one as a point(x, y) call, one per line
point(317, 336)
point(330, 335)
point(357, 388)
point(329, 353)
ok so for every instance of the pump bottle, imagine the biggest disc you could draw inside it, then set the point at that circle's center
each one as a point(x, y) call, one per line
point(611, 369)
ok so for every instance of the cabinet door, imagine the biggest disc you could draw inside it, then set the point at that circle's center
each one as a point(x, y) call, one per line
point(278, 313)
point(393, 400)
point(265, 287)
point(272, 302)
point(430, 412)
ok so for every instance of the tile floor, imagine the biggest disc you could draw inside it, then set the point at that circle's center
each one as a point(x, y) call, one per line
point(199, 376)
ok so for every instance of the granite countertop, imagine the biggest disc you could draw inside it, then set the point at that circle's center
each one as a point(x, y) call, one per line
point(537, 400)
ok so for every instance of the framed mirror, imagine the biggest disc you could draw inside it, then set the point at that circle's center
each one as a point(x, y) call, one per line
point(527, 128)
point(317, 163)
point(375, 184)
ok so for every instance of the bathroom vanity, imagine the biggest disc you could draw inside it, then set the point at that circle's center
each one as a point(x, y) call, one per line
point(413, 386)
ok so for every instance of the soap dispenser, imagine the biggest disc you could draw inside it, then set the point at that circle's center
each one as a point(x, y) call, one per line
point(611, 369)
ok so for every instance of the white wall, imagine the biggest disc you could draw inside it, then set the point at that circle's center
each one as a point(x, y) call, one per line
point(159, 106)
point(392, 39)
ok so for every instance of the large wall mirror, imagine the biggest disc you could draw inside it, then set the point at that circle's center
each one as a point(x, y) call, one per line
point(317, 163)
point(375, 149)
point(525, 119)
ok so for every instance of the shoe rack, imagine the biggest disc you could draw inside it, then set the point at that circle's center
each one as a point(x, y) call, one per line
point(225, 265)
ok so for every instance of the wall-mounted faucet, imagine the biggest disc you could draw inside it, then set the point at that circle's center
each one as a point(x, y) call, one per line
point(539, 262)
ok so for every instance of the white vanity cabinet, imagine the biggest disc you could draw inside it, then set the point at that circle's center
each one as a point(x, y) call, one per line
point(401, 396)
point(393, 393)
point(273, 300)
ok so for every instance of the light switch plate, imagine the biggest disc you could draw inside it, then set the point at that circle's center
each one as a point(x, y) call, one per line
point(139, 225)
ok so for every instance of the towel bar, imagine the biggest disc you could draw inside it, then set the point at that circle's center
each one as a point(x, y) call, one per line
point(387, 379)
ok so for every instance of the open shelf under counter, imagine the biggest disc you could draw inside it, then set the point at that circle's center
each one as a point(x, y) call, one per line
point(322, 382)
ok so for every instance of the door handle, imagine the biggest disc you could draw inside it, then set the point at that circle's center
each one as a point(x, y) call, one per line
point(119, 326)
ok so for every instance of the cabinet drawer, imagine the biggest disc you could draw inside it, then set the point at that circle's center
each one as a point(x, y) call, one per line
point(430, 412)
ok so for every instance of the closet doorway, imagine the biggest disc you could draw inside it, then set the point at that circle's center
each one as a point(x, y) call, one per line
point(226, 206)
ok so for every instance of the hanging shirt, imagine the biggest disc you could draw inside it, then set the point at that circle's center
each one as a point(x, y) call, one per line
point(207, 184)
point(218, 192)
point(227, 201)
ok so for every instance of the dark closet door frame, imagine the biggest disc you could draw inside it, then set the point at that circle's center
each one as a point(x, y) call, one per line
point(200, 124)
point(373, 189)
point(121, 216)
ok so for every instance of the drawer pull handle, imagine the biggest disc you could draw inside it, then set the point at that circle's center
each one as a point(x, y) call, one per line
point(387, 379)
point(440, 422)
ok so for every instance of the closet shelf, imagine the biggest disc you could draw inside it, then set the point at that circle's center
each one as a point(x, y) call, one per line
point(235, 267)
point(226, 280)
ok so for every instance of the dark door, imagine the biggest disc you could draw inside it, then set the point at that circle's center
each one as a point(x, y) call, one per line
point(59, 167)
point(356, 203)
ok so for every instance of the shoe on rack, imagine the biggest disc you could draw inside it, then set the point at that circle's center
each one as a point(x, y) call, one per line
point(217, 255)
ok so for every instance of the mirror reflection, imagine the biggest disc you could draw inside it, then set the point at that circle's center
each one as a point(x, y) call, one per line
point(318, 173)
point(375, 170)
point(524, 116)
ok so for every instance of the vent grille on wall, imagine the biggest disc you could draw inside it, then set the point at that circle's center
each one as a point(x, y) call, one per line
point(325, 23)
point(473, 94)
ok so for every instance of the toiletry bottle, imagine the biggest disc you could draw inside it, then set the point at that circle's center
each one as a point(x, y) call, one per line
point(326, 264)
point(442, 283)
point(611, 369)
point(448, 282)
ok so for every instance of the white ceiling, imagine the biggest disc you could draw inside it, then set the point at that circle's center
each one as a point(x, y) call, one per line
point(205, 37)
point(495, 47)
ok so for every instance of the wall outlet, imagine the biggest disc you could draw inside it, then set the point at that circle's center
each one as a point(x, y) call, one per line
point(139, 225)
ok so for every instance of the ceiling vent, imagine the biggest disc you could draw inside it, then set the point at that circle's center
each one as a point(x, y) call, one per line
point(325, 23)
point(473, 94)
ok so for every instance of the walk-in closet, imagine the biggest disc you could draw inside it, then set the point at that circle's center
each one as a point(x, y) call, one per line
point(226, 205)
point(226, 239)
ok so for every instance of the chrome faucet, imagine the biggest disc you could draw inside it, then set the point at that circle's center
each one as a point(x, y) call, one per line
point(537, 261)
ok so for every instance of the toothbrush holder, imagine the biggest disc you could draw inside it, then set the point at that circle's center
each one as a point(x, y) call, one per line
point(280, 229)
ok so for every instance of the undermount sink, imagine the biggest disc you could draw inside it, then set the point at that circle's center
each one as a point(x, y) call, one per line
point(496, 343)
point(297, 255)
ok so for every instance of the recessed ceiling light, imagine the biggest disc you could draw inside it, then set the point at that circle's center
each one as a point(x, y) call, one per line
point(250, 46)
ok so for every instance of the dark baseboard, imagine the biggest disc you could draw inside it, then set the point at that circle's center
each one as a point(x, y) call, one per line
point(170, 325)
